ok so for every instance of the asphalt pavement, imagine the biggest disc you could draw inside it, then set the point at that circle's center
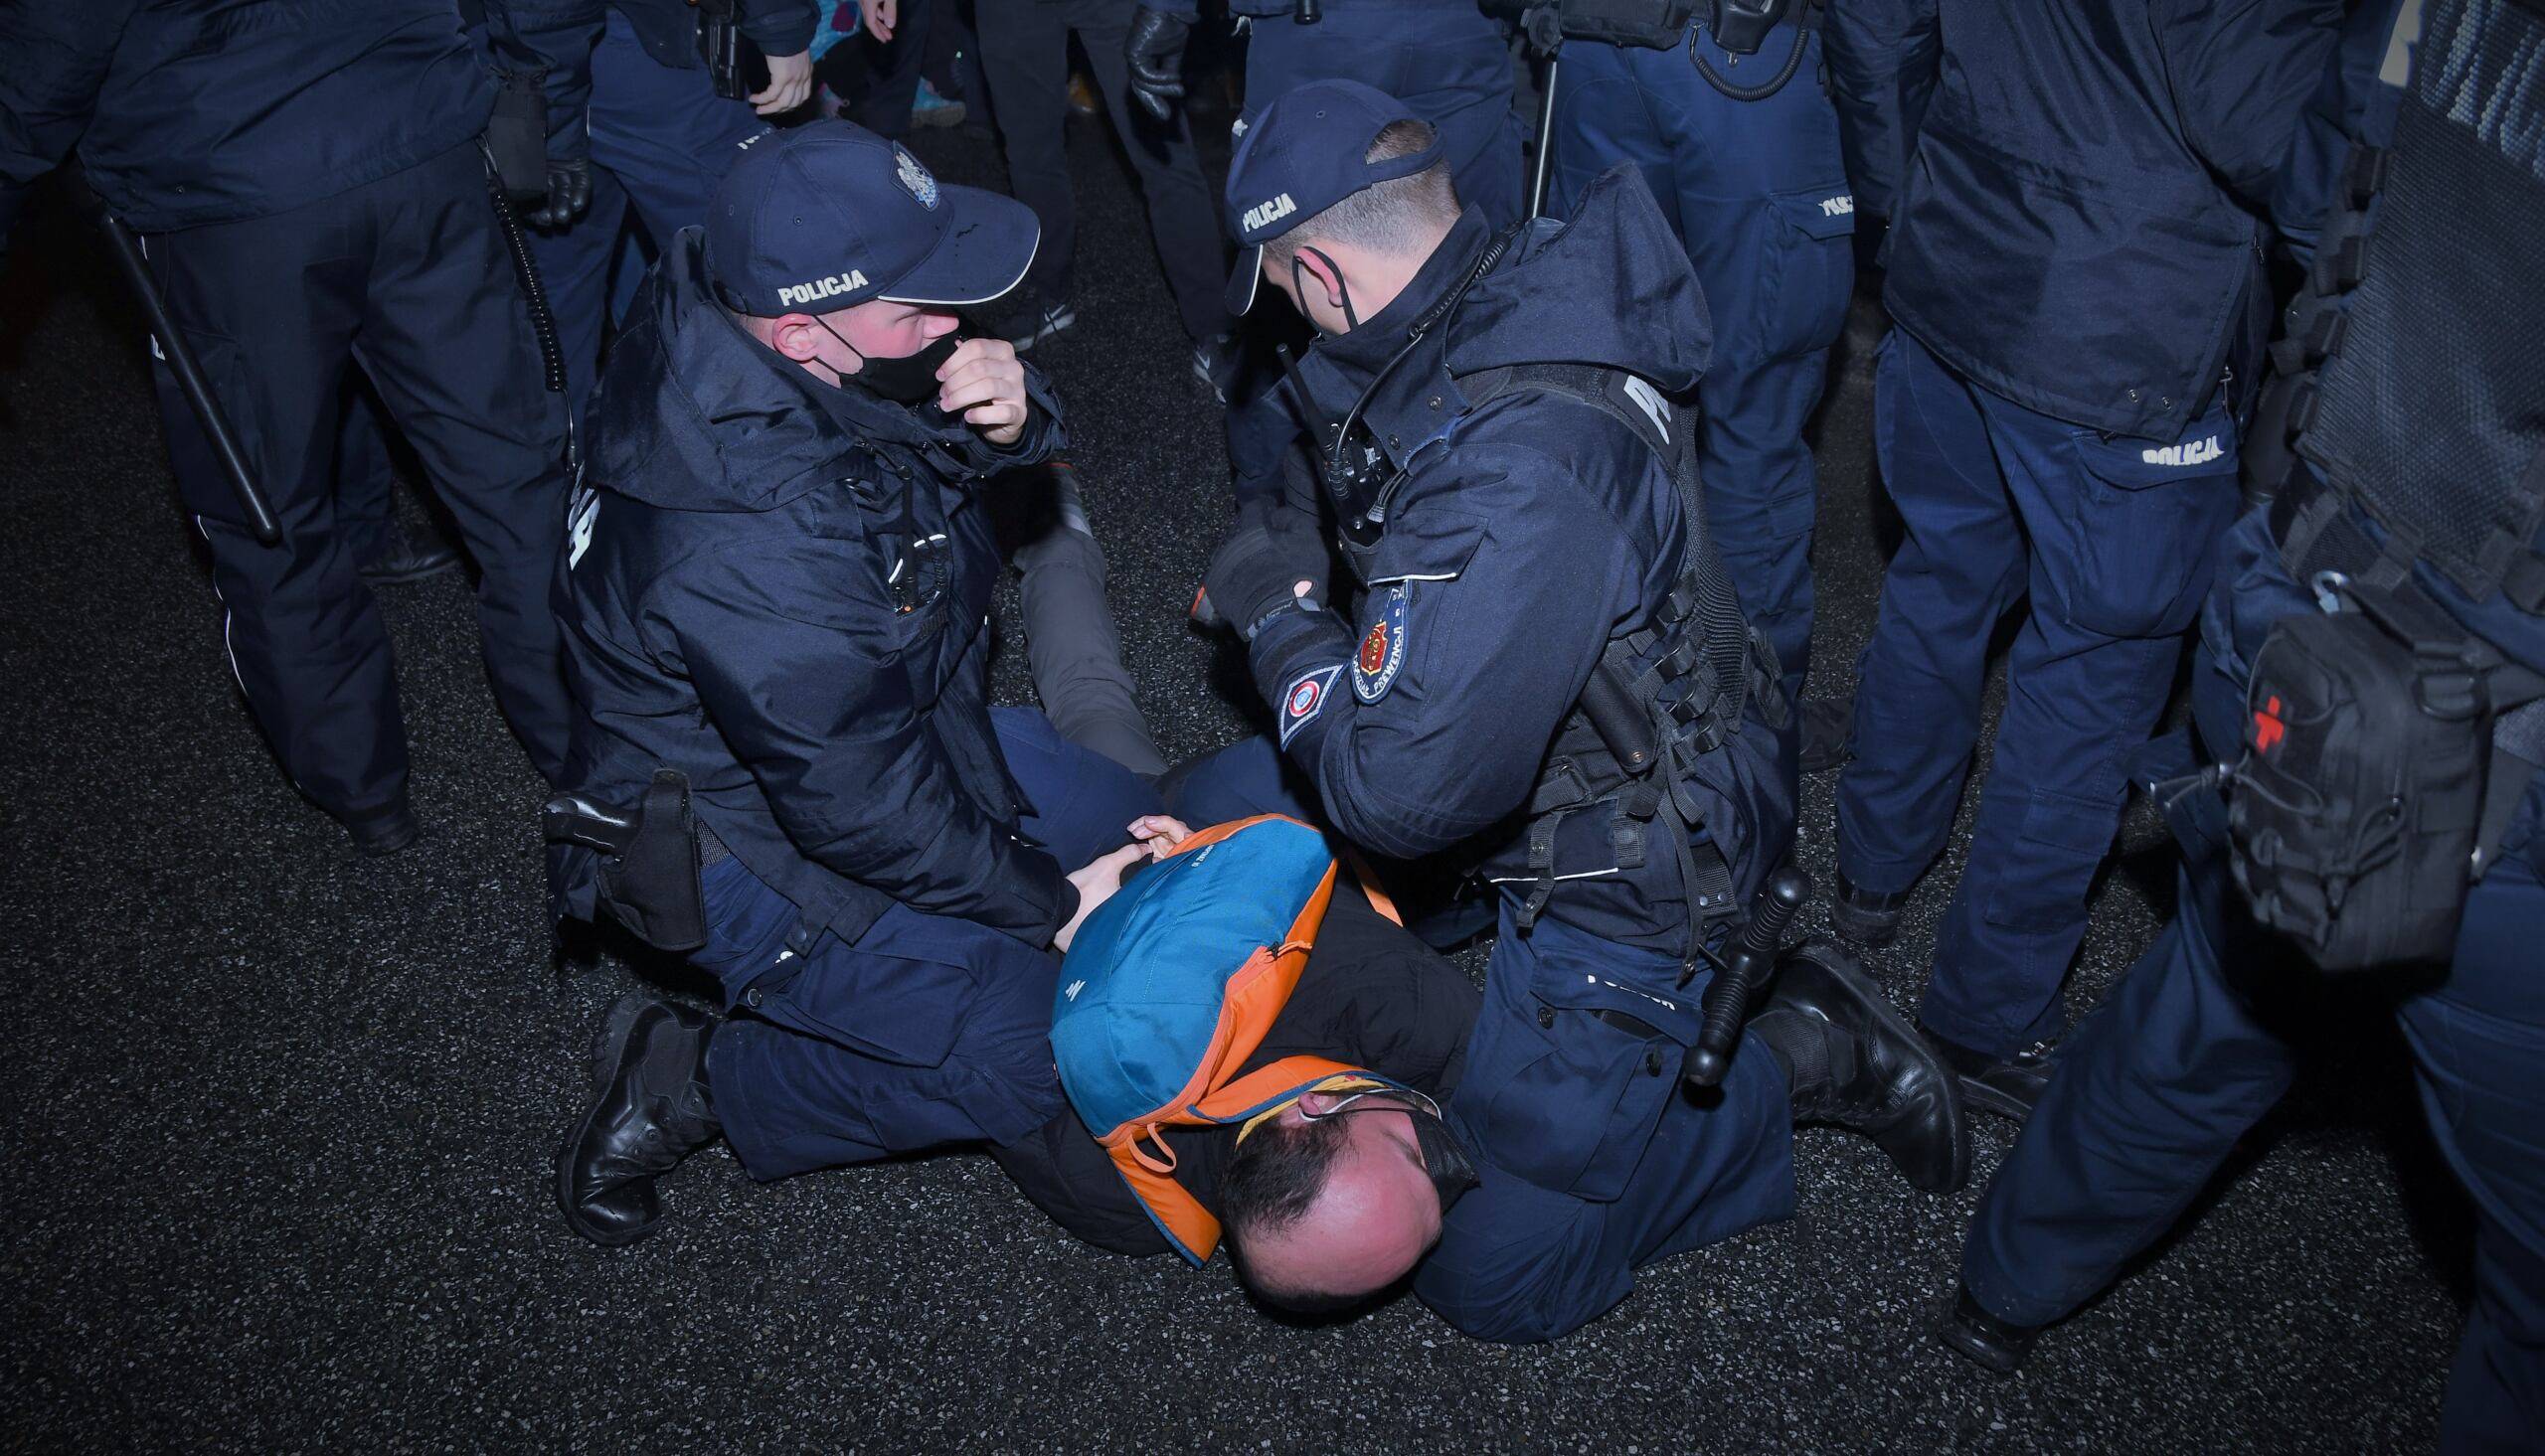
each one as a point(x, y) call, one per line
point(275, 1138)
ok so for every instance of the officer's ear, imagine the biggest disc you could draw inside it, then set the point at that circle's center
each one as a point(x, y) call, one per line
point(1321, 274)
point(797, 336)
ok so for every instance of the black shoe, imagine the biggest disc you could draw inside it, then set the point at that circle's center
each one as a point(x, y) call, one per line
point(1862, 919)
point(1826, 722)
point(651, 1109)
point(1035, 321)
point(2004, 1085)
point(385, 833)
point(1854, 1060)
point(409, 562)
point(1216, 362)
point(1968, 1329)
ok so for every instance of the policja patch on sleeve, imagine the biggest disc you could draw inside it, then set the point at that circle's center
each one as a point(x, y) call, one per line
point(1304, 699)
point(1382, 651)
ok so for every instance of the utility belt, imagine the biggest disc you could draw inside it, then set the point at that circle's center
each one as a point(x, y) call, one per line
point(651, 857)
point(2385, 751)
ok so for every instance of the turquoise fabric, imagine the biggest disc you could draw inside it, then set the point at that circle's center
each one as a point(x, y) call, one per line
point(1140, 991)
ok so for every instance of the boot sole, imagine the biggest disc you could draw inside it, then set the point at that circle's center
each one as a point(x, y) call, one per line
point(1843, 969)
point(1871, 932)
point(1981, 1097)
point(608, 1045)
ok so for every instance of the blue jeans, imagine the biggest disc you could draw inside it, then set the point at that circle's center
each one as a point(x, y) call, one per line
point(2110, 543)
point(926, 1029)
point(1758, 193)
point(661, 139)
point(2154, 1089)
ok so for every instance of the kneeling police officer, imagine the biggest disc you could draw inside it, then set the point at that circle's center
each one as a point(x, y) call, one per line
point(1548, 681)
point(777, 607)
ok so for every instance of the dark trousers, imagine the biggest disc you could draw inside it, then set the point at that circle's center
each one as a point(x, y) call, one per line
point(879, 79)
point(1025, 58)
point(1758, 193)
point(406, 279)
point(2156, 1087)
point(661, 140)
point(1452, 68)
point(925, 1031)
point(2108, 546)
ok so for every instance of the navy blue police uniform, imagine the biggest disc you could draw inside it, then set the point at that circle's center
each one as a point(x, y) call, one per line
point(2074, 273)
point(314, 198)
point(1531, 539)
point(1447, 63)
point(1756, 189)
point(781, 589)
point(628, 93)
point(2197, 1043)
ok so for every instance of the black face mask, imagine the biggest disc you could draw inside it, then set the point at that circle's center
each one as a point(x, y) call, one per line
point(909, 380)
point(1300, 281)
point(1444, 1157)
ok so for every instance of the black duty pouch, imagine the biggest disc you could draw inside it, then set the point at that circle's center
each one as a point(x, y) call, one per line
point(734, 63)
point(649, 876)
point(2370, 795)
point(517, 136)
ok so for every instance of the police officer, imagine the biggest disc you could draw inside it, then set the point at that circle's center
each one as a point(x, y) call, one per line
point(1448, 64)
point(1741, 150)
point(2075, 279)
point(777, 601)
point(641, 136)
point(2154, 1091)
point(1546, 676)
point(314, 197)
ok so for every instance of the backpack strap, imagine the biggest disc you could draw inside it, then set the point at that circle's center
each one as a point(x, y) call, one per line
point(1191, 1229)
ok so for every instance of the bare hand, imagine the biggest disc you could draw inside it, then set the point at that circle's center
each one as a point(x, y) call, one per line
point(790, 83)
point(879, 17)
point(983, 383)
point(1096, 885)
point(1160, 832)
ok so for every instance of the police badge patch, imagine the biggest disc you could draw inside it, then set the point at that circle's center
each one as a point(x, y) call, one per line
point(1382, 654)
point(1303, 699)
point(915, 177)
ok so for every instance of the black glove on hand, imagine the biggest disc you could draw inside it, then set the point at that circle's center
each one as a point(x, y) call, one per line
point(1255, 571)
point(570, 192)
point(1155, 49)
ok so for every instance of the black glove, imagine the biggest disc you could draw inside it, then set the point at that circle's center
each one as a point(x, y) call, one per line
point(570, 192)
point(1155, 49)
point(1254, 573)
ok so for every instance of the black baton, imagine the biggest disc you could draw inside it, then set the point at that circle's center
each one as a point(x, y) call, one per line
point(1745, 968)
point(180, 357)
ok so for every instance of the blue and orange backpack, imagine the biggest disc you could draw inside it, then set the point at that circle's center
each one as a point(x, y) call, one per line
point(1169, 989)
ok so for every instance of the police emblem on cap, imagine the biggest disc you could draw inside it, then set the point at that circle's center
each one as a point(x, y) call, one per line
point(915, 177)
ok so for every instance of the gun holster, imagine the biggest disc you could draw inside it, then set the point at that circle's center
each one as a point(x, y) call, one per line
point(734, 63)
point(649, 871)
point(1741, 25)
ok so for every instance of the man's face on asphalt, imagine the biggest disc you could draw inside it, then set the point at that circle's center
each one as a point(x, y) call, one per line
point(1375, 1220)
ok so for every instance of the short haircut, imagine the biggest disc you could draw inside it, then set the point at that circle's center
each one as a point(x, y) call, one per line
point(1273, 1179)
point(1387, 216)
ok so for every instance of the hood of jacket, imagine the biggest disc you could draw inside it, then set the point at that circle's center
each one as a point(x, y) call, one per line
point(695, 415)
point(1612, 287)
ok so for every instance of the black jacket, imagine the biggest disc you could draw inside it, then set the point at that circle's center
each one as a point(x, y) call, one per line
point(194, 111)
point(2081, 228)
point(1372, 995)
point(781, 588)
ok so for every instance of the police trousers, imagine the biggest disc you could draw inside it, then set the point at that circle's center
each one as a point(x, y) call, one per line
point(2109, 542)
point(1758, 193)
point(661, 139)
point(2156, 1087)
point(925, 1030)
point(406, 279)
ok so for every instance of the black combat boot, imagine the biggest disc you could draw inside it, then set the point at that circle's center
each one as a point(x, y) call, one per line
point(1852, 1059)
point(651, 1108)
point(1971, 1331)
point(2004, 1085)
point(1862, 919)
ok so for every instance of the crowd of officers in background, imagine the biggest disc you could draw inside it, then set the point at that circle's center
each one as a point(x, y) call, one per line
point(2086, 221)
